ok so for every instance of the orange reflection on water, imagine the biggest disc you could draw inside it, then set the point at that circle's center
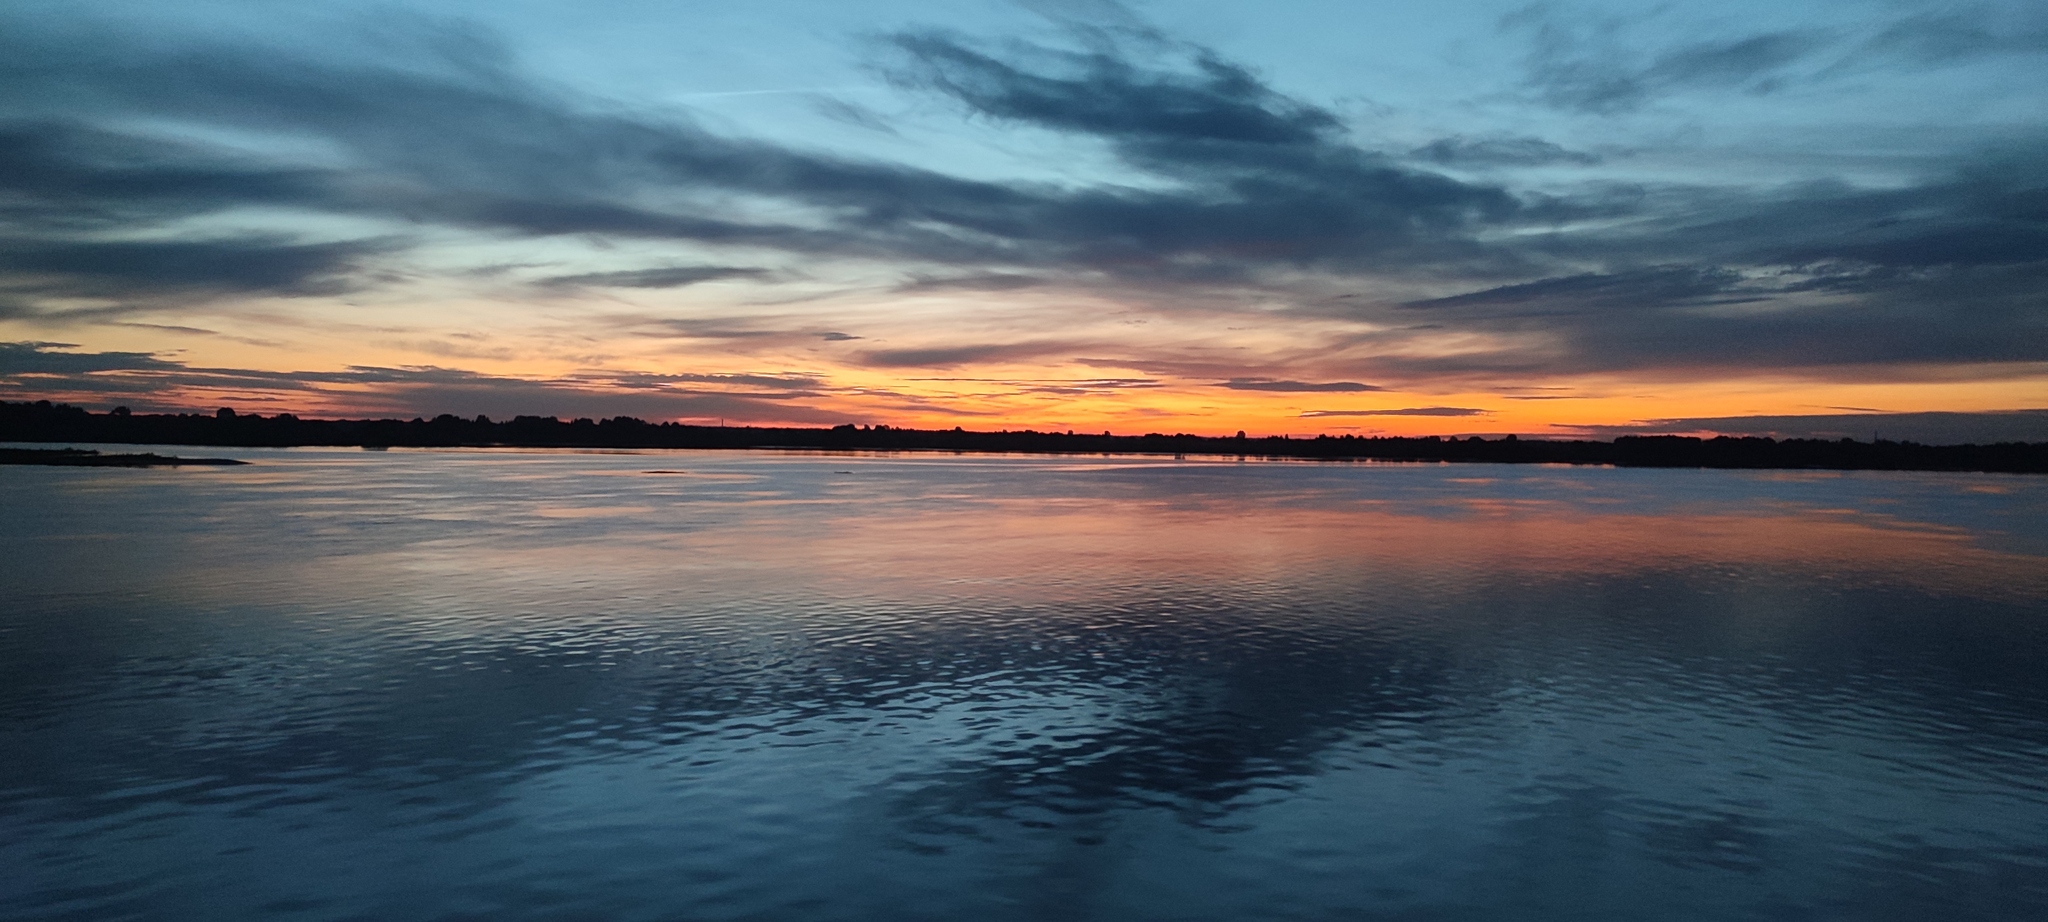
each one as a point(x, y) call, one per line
point(1486, 539)
point(1068, 551)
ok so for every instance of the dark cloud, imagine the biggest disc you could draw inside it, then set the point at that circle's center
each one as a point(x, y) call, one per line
point(1926, 428)
point(1269, 384)
point(1986, 209)
point(1259, 181)
point(59, 173)
point(1955, 34)
point(1733, 62)
point(1462, 151)
point(668, 277)
point(31, 371)
point(460, 138)
point(1838, 316)
point(1409, 411)
point(124, 269)
point(1241, 194)
point(166, 328)
point(1605, 64)
point(946, 356)
point(1655, 287)
point(1104, 94)
point(421, 390)
point(34, 358)
point(1818, 276)
point(1593, 64)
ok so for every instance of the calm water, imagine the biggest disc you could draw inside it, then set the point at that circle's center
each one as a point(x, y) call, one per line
point(499, 685)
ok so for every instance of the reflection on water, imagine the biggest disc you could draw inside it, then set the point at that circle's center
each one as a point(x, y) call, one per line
point(336, 685)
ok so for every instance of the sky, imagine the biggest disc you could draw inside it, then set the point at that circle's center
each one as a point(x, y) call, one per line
point(1290, 217)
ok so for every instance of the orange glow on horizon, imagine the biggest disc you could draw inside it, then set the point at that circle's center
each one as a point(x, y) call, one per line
point(1109, 367)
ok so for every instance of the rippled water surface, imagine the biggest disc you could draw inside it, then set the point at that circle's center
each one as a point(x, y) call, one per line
point(621, 686)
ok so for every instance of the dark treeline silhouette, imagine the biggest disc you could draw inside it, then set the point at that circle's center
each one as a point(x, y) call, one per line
point(43, 421)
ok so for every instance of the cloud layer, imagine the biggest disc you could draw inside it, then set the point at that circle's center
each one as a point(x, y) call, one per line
point(144, 175)
point(148, 383)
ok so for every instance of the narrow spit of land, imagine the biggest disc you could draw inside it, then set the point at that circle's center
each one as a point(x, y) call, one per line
point(43, 421)
point(74, 457)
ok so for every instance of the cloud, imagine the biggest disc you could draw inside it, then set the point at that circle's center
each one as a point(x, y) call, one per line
point(1730, 62)
point(1086, 387)
point(61, 174)
point(1499, 151)
point(457, 138)
point(983, 281)
point(120, 270)
point(1103, 93)
point(786, 382)
point(1227, 193)
point(1656, 286)
point(1954, 35)
point(1605, 64)
point(38, 358)
point(1268, 384)
point(34, 370)
point(1256, 171)
point(460, 138)
point(420, 390)
point(1409, 411)
point(840, 110)
point(668, 277)
point(1837, 319)
point(1593, 63)
point(946, 356)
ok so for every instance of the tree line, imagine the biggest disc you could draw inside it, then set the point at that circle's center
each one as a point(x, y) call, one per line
point(43, 421)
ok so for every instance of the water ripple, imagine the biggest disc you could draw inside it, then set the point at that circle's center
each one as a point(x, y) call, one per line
point(549, 685)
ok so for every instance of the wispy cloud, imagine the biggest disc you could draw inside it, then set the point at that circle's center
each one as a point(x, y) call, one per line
point(1591, 61)
point(1407, 411)
point(951, 356)
point(663, 277)
point(1304, 387)
point(1500, 150)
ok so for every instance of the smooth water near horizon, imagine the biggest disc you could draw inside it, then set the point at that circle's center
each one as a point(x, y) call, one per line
point(753, 685)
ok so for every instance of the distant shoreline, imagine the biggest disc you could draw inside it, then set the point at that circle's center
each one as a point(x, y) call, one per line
point(44, 422)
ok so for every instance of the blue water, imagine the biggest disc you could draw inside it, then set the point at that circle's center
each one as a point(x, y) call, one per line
point(526, 685)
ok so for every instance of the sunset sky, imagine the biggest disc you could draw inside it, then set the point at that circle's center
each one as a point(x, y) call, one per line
point(1283, 217)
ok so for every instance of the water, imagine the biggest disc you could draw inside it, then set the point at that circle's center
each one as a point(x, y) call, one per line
point(506, 685)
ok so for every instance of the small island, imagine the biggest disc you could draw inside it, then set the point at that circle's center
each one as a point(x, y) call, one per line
point(78, 457)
